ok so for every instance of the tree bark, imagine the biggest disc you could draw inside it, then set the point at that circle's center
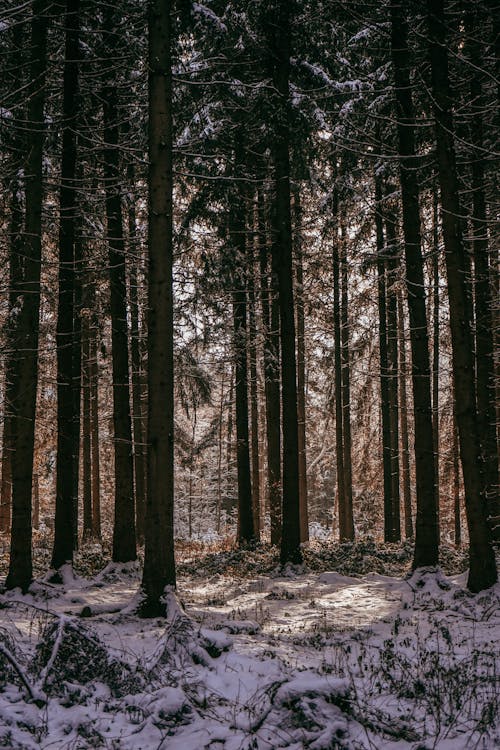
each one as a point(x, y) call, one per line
point(254, 401)
point(124, 541)
point(270, 321)
point(65, 521)
point(403, 414)
point(346, 388)
point(482, 571)
point(136, 374)
point(426, 538)
point(25, 376)
point(485, 345)
point(456, 478)
point(279, 37)
point(76, 380)
point(16, 189)
point(392, 369)
point(159, 560)
point(94, 430)
point(246, 530)
point(301, 366)
point(86, 434)
point(435, 348)
point(339, 421)
point(384, 364)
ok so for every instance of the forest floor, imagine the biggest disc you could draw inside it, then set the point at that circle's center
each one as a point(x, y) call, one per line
point(344, 653)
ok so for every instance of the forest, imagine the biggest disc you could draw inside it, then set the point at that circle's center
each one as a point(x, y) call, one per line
point(249, 374)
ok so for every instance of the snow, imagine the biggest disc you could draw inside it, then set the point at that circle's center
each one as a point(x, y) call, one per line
point(293, 659)
point(208, 15)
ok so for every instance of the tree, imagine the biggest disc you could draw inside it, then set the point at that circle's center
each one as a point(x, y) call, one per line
point(67, 436)
point(482, 571)
point(426, 530)
point(25, 377)
point(238, 240)
point(383, 355)
point(301, 364)
point(278, 35)
point(16, 190)
point(271, 356)
point(124, 541)
point(159, 561)
point(483, 307)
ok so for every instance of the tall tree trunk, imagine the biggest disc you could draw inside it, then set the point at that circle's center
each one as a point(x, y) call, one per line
point(346, 389)
point(228, 504)
point(482, 571)
point(219, 452)
point(136, 375)
point(64, 529)
point(392, 369)
point(94, 430)
point(403, 414)
point(159, 560)
point(384, 365)
point(86, 435)
point(16, 189)
point(6, 486)
point(25, 377)
point(36, 501)
point(254, 402)
point(339, 421)
point(485, 366)
point(270, 321)
point(426, 537)
point(246, 531)
point(279, 37)
point(301, 366)
point(435, 347)
point(76, 379)
point(124, 542)
point(456, 477)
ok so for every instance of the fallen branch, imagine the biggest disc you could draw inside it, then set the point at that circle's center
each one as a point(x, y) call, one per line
point(35, 695)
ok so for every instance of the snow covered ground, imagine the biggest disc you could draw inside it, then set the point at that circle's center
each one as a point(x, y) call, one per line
point(305, 659)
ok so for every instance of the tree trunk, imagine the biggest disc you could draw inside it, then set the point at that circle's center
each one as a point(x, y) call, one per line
point(270, 321)
point(456, 478)
point(64, 528)
point(94, 431)
point(228, 504)
point(246, 531)
point(36, 502)
point(219, 452)
point(136, 375)
point(159, 560)
point(339, 421)
point(346, 389)
point(86, 436)
point(76, 379)
point(403, 414)
point(482, 571)
point(485, 366)
point(254, 402)
point(384, 365)
point(25, 376)
point(279, 35)
point(392, 369)
point(124, 542)
point(301, 367)
point(435, 348)
point(426, 538)
point(6, 486)
point(16, 189)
